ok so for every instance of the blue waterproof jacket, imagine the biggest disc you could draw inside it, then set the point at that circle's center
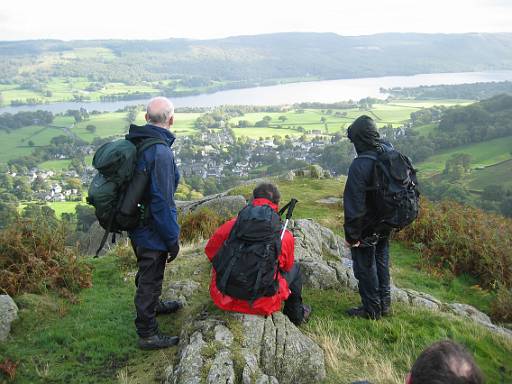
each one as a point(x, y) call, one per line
point(359, 204)
point(159, 230)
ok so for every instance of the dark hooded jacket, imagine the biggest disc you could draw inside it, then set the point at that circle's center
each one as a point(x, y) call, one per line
point(159, 230)
point(360, 205)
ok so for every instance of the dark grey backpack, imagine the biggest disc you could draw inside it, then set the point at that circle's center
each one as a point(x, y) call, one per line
point(396, 188)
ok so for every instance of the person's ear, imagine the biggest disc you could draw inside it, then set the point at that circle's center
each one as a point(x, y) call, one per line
point(408, 379)
point(171, 120)
point(146, 117)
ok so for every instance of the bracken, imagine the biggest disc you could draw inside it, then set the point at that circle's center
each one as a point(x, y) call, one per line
point(34, 258)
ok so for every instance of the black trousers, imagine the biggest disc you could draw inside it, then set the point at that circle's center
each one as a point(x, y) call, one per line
point(371, 269)
point(148, 281)
point(293, 305)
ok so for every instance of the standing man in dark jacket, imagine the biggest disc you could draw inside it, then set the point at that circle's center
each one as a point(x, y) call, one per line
point(156, 239)
point(368, 242)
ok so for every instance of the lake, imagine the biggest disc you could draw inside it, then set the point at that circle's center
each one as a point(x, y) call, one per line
point(326, 91)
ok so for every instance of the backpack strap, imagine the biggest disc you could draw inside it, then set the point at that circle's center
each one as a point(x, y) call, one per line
point(367, 157)
point(146, 143)
point(258, 277)
point(227, 273)
point(141, 147)
point(105, 236)
point(374, 187)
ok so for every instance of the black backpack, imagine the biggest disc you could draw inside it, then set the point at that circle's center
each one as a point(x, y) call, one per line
point(396, 189)
point(247, 263)
point(117, 189)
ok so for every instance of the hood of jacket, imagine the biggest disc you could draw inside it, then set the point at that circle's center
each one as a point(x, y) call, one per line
point(364, 135)
point(148, 130)
point(262, 201)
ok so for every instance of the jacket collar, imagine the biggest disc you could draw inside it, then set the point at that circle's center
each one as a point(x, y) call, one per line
point(152, 131)
point(262, 201)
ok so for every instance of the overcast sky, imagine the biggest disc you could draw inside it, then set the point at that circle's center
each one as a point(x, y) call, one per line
point(156, 19)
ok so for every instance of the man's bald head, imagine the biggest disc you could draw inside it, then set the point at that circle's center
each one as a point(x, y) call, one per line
point(160, 112)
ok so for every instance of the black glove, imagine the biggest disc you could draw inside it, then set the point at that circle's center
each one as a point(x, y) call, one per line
point(173, 252)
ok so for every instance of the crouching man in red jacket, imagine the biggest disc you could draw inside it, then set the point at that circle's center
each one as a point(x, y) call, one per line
point(253, 269)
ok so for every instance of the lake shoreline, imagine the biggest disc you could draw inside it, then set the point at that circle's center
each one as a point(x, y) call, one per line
point(324, 91)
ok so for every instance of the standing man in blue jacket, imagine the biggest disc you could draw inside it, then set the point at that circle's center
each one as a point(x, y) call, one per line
point(367, 239)
point(156, 239)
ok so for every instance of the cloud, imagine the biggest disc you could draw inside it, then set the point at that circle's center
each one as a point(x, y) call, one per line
point(63, 19)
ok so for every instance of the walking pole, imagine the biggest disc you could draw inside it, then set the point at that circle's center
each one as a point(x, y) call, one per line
point(291, 207)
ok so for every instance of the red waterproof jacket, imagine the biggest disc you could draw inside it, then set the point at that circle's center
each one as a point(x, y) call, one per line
point(264, 305)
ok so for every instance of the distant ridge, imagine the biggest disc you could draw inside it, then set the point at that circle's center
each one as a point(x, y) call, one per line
point(293, 55)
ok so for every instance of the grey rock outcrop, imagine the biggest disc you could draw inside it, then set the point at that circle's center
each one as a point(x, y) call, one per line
point(8, 313)
point(263, 350)
point(330, 201)
point(316, 171)
point(315, 245)
point(180, 290)
point(290, 176)
point(222, 204)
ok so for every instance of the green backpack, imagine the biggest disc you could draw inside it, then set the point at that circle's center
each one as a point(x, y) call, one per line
point(117, 189)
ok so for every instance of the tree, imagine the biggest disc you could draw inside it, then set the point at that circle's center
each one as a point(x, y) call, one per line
point(85, 217)
point(244, 123)
point(493, 193)
point(34, 211)
point(262, 123)
point(506, 206)
point(6, 181)
point(39, 184)
point(22, 188)
point(91, 128)
point(8, 213)
point(78, 164)
point(132, 115)
point(282, 118)
point(74, 183)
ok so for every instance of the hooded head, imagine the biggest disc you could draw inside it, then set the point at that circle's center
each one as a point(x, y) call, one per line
point(363, 134)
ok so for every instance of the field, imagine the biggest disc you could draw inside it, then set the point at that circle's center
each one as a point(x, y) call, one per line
point(498, 174)
point(59, 207)
point(384, 114)
point(16, 143)
point(483, 154)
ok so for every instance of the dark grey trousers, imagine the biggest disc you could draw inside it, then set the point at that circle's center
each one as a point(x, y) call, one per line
point(371, 269)
point(293, 305)
point(148, 281)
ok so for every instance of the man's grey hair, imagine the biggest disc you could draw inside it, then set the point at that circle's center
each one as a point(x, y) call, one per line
point(159, 110)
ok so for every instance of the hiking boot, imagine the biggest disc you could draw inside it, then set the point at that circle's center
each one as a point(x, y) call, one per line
point(386, 312)
point(158, 341)
point(166, 307)
point(362, 313)
point(307, 312)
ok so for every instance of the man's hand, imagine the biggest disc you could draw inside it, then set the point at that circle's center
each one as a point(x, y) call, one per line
point(173, 252)
point(347, 244)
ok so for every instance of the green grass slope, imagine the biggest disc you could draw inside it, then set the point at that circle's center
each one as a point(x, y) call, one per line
point(483, 154)
point(94, 340)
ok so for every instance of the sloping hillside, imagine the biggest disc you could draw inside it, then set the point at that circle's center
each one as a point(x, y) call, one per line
point(93, 340)
point(51, 70)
